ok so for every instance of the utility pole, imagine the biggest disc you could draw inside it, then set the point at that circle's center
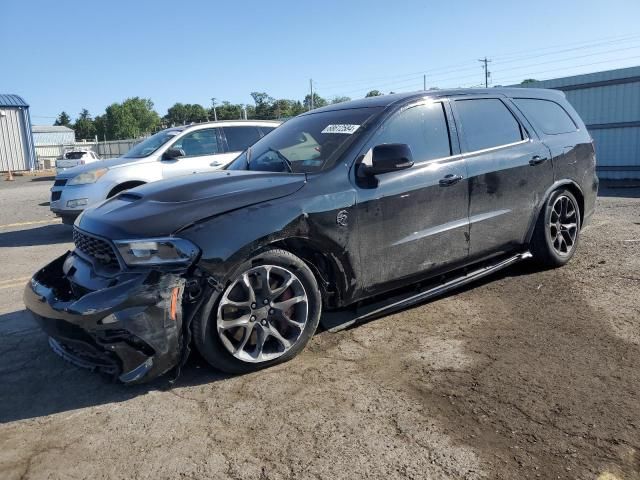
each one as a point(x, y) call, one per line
point(215, 114)
point(485, 66)
point(311, 88)
point(424, 82)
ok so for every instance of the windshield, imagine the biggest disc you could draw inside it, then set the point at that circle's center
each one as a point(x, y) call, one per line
point(151, 144)
point(74, 155)
point(306, 144)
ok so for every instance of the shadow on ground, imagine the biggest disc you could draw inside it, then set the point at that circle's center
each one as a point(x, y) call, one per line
point(45, 235)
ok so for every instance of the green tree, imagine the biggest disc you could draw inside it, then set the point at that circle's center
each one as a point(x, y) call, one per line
point(318, 101)
point(374, 93)
point(335, 100)
point(63, 120)
point(85, 127)
point(227, 111)
point(264, 105)
point(528, 80)
point(132, 118)
point(183, 114)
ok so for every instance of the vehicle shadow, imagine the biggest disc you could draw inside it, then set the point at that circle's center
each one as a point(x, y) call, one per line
point(50, 178)
point(36, 382)
point(45, 235)
point(619, 189)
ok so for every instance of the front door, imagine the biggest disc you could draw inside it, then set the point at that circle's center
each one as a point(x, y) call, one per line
point(414, 221)
point(202, 150)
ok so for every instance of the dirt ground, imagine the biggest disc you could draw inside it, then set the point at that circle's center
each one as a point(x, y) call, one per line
point(529, 374)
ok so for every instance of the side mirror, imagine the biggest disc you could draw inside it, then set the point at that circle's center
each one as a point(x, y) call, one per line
point(173, 153)
point(389, 157)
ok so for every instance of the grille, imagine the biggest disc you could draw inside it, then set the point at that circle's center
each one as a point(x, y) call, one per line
point(60, 183)
point(55, 196)
point(95, 248)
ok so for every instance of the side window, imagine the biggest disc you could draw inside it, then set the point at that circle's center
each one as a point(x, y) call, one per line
point(199, 143)
point(240, 138)
point(423, 128)
point(266, 130)
point(550, 117)
point(487, 122)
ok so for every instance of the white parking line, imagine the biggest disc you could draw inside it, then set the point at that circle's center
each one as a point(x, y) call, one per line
point(36, 222)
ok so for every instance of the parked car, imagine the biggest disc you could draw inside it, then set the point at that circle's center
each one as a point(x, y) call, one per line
point(406, 196)
point(75, 157)
point(173, 152)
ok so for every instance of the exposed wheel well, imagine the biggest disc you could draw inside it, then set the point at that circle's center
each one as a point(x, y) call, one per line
point(124, 186)
point(579, 197)
point(323, 265)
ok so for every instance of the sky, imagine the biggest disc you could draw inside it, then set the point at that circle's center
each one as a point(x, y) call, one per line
point(69, 55)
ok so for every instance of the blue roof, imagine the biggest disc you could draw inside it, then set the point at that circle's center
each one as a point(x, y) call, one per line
point(10, 100)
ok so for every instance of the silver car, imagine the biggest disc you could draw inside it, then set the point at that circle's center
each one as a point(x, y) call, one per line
point(170, 153)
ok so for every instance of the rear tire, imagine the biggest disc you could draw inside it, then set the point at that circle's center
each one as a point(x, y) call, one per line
point(265, 315)
point(557, 230)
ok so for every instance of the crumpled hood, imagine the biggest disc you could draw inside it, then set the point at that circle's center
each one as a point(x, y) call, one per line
point(162, 208)
point(109, 163)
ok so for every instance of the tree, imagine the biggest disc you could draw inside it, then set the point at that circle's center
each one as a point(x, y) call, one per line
point(318, 101)
point(85, 127)
point(183, 114)
point(63, 120)
point(374, 93)
point(528, 80)
point(335, 100)
point(264, 103)
point(132, 118)
point(227, 111)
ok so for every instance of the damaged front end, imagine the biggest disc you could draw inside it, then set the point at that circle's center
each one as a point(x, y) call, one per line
point(127, 324)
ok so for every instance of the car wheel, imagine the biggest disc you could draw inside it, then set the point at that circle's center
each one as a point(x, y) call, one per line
point(266, 314)
point(557, 232)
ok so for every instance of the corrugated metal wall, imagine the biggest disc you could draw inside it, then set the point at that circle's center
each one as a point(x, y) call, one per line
point(12, 143)
point(609, 104)
point(51, 138)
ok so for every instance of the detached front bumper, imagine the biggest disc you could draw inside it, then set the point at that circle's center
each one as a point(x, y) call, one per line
point(130, 329)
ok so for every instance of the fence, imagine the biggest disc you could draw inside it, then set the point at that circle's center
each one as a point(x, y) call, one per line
point(47, 154)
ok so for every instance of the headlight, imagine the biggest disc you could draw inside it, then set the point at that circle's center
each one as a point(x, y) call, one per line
point(87, 177)
point(157, 251)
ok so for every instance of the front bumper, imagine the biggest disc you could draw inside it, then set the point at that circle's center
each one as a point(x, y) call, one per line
point(61, 195)
point(131, 329)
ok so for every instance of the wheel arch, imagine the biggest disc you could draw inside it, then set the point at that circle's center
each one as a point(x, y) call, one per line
point(570, 185)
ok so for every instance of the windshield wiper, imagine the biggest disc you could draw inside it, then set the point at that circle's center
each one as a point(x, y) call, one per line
point(284, 159)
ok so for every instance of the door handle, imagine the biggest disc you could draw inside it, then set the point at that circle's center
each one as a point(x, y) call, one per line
point(537, 160)
point(449, 180)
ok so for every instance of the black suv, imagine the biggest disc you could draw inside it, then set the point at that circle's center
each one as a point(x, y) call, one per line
point(351, 210)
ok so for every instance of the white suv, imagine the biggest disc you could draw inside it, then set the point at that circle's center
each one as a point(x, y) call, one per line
point(75, 157)
point(170, 153)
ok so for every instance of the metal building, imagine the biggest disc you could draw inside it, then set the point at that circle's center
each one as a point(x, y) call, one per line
point(53, 135)
point(16, 143)
point(609, 104)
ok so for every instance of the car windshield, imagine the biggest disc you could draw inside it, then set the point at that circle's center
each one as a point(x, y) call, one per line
point(308, 143)
point(151, 144)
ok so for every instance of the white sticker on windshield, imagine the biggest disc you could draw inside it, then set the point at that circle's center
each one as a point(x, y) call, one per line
point(346, 129)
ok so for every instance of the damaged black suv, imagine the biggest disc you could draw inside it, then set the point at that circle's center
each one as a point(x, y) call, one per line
point(351, 210)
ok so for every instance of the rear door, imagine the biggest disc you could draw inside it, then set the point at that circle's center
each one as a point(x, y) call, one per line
point(201, 148)
point(414, 221)
point(509, 171)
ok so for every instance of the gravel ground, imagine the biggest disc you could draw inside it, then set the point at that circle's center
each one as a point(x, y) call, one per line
point(529, 374)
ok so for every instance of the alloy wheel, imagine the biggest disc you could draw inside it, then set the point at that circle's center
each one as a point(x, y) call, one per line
point(563, 225)
point(262, 313)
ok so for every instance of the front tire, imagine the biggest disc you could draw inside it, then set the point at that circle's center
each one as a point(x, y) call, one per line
point(266, 314)
point(557, 231)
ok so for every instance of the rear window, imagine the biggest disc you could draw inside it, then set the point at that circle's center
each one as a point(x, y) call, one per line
point(547, 115)
point(487, 123)
point(74, 155)
point(241, 138)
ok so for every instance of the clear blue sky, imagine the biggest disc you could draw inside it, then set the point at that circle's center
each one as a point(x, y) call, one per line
point(69, 55)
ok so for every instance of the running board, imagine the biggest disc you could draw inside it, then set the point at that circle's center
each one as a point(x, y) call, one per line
point(336, 321)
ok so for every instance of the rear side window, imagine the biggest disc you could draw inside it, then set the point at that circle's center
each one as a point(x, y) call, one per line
point(423, 128)
point(547, 115)
point(241, 138)
point(487, 123)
